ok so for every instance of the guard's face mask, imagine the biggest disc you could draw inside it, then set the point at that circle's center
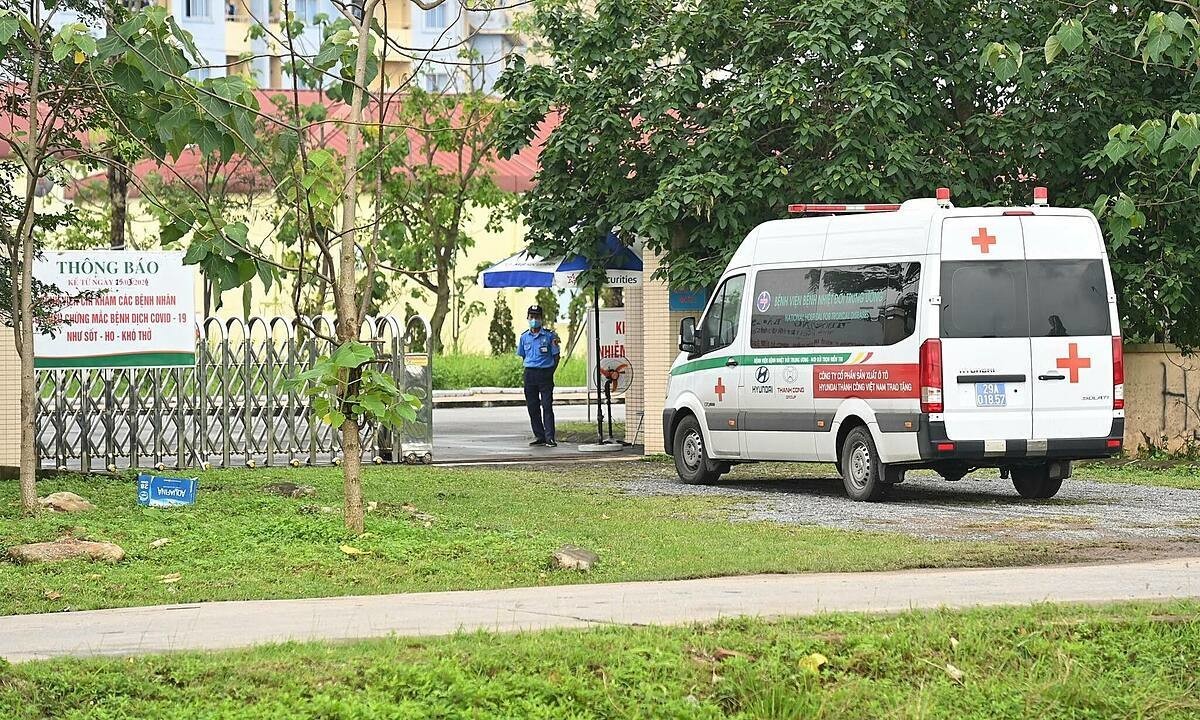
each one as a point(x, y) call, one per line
point(534, 323)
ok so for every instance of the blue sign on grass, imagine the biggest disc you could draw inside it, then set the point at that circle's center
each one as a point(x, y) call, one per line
point(158, 491)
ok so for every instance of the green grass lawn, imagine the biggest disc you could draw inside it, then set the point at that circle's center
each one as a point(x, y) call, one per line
point(1121, 661)
point(490, 528)
point(1183, 474)
point(457, 372)
point(585, 432)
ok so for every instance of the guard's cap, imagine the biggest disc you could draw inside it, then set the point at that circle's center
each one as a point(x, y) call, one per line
point(535, 310)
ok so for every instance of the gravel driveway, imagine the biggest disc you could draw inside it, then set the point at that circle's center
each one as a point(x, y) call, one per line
point(975, 508)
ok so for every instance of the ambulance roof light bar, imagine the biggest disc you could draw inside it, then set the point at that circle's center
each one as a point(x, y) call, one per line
point(842, 208)
point(1041, 196)
point(943, 197)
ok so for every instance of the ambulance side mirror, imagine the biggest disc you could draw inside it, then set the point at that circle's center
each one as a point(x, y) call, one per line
point(687, 335)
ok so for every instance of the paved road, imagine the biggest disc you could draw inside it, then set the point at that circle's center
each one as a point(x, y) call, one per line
point(461, 434)
point(499, 433)
point(240, 624)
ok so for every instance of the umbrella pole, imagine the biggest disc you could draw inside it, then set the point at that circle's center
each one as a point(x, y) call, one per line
point(599, 407)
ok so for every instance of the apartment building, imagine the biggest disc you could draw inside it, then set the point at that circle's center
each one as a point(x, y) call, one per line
point(426, 46)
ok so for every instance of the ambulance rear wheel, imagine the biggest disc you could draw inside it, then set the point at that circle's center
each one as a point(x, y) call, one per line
point(1035, 482)
point(862, 473)
point(691, 459)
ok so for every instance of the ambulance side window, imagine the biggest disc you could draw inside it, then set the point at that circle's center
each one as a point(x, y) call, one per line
point(719, 327)
point(841, 306)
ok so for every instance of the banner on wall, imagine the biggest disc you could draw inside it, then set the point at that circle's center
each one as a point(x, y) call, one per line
point(143, 316)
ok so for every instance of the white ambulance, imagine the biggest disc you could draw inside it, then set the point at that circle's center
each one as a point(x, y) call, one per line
point(884, 338)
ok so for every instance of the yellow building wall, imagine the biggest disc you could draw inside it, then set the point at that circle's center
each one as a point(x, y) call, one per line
point(489, 247)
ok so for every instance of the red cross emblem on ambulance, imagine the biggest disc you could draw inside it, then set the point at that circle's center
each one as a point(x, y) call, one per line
point(1072, 363)
point(720, 390)
point(984, 241)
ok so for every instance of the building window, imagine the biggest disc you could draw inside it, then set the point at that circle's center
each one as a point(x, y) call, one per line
point(305, 10)
point(437, 82)
point(435, 19)
point(196, 9)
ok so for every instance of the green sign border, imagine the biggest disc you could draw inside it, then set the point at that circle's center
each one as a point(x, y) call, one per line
point(786, 359)
point(130, 360)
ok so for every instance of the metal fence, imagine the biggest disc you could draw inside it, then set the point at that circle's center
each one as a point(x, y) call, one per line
point(232, 408)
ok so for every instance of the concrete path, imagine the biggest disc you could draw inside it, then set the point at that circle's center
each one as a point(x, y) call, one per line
point(239, 624)
point(492, 434)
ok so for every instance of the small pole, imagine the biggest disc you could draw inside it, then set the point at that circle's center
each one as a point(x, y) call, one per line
point(599, 407)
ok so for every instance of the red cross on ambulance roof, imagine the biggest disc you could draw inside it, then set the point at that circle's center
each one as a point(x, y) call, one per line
point(983, 240)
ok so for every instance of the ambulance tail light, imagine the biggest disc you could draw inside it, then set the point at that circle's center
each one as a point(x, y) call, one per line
point(930, 374)
point(842, 208)
point(1041, 196)
point(1118, 354)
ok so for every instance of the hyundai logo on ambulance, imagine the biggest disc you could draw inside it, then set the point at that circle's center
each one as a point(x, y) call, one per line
point(934, 337)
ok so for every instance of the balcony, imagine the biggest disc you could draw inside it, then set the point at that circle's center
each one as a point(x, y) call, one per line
point(490, 22)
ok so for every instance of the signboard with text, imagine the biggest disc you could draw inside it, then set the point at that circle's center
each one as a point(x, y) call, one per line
point(612, 340)
point(142, 316)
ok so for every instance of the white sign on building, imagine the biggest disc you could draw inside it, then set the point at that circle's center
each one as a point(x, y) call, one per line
point(144, 315)
point(612, 342)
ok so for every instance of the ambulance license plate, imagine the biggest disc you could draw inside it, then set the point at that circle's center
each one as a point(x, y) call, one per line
point(990, 395)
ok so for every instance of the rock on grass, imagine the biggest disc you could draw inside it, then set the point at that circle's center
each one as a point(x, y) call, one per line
point(65, 502)
point(67, 548)
point(569, 557)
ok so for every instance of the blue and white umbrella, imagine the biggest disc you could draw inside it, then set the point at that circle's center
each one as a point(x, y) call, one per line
point(622, 268)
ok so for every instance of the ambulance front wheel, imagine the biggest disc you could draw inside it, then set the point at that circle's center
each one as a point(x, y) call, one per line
point(1035, 483)
point(691, 460)
point(862, 473)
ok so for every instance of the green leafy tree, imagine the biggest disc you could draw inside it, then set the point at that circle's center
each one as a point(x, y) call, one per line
point(1149, 158)
point(547, 299)
point(500, 331)
point(429, 206)
point(64, 85)
point(712, 117)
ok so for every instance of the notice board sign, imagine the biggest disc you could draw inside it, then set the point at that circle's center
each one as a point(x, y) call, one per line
point(144, 315)
point(612, 339)
point(159, 491)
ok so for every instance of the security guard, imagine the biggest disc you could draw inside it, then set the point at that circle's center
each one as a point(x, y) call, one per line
point(538, 348)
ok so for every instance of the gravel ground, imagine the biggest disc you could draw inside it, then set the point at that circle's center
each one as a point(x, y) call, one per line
point(975, 508)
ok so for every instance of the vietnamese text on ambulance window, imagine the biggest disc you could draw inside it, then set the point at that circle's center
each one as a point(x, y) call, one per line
point(1067, 298)
point(846, 306)
point(720, 324)
point(984, 299)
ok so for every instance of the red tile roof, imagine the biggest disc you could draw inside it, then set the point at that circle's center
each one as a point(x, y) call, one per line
point(515, 174)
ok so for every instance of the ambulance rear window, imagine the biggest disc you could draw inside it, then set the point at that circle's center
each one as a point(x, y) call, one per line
point(984, 299)
point(1067, 298)
point(1015, 298)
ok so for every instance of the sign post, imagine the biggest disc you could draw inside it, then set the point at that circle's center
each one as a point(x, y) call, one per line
point(144, 315)
point(612, 339)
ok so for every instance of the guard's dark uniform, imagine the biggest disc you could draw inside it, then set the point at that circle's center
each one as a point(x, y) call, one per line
point(539, 349)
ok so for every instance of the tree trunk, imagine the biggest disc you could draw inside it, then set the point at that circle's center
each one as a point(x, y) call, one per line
point(118, 197)
point(441, 309)
point(346, 300)
point(24, 309)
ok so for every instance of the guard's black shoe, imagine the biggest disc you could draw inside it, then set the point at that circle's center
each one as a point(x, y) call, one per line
point(536, 442)
point(551, 443)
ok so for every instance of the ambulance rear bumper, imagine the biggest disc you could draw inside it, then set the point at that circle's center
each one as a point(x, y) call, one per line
point(934, 444)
